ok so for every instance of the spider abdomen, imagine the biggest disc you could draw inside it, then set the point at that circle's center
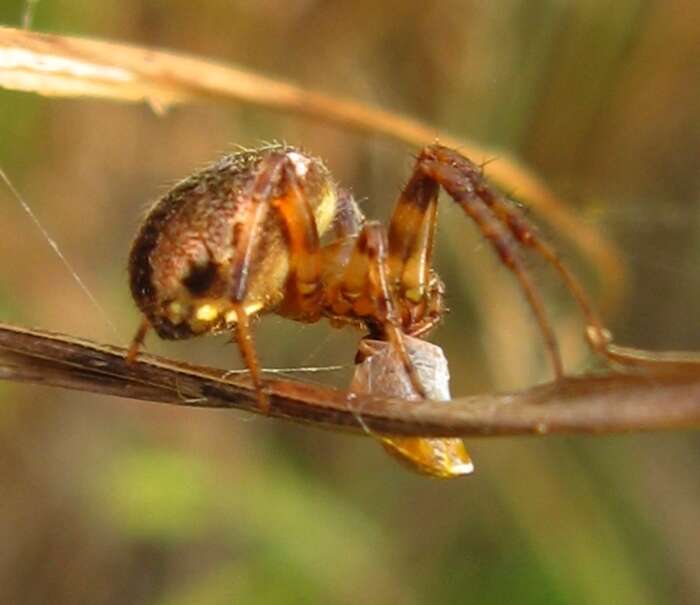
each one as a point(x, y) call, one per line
point(182, 260)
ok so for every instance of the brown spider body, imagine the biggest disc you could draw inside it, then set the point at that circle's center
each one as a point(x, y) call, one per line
point(243, 237)
point(268, 230)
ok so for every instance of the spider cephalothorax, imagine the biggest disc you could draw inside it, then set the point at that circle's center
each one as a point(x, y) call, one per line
point(268, 230)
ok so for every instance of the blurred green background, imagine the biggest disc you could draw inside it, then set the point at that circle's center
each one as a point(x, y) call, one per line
point(113, 501)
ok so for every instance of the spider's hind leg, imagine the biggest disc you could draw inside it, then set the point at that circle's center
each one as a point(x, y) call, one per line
point(278, 187)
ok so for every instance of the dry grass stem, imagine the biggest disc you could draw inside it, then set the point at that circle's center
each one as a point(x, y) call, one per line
point(609, 403)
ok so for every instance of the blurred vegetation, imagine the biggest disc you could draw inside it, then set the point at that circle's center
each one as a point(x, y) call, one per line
point(107, 501)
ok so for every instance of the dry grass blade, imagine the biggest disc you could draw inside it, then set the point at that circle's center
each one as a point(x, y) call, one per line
point(66, 66)
point(587, 405)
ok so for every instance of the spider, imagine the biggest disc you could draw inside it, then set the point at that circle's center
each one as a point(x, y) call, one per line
point(243, 237)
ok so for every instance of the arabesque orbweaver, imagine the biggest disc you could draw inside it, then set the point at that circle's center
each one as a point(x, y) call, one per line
point(243, 237)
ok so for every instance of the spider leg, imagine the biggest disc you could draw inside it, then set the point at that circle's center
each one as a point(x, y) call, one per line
point(441, 166)
point(411, 243)
point(277, 187)
point(411, 238)
point(303, 290)
point(246, 242)
point(137, 341)
point(365, 287)
point(526, 233)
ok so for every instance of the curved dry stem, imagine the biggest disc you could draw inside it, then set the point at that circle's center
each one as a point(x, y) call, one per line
point(609, 403)
point(66, 66)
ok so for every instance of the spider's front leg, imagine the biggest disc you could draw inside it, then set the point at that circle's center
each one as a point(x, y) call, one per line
point(412, 227)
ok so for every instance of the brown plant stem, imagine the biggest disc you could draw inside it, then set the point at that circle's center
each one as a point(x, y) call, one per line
point(609, 403)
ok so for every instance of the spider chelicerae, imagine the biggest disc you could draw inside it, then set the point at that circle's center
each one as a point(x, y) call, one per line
point(269, 230)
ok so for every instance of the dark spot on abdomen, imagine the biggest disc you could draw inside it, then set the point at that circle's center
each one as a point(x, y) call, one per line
point(201, 278)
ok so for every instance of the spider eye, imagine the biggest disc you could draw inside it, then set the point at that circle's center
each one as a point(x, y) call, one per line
point(201, 278)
